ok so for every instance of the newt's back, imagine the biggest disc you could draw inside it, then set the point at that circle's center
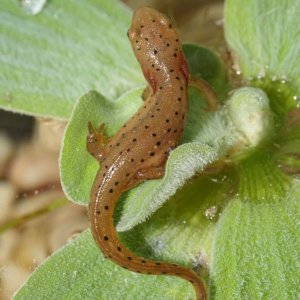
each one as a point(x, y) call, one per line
point(140, 149)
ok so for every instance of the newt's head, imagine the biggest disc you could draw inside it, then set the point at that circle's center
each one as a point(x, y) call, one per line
point(155, 42)
point(150, 27)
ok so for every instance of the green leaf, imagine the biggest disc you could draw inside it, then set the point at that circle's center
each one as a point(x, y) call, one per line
point(182, 230)
point(205, 64)
point(79, 271)
point(262, 32)
point(288, 143)
point(211, 136)
point(208, 136)
point(49, 60)
point(77, 168)
point(256, 248)
point(179, 232)
point(182, 164)
point(94, 107)
point(265, 37)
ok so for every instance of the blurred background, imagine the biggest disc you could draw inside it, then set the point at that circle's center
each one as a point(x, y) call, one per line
point(35, 217)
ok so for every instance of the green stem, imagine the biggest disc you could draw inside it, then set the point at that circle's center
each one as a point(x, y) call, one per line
point(23, 219)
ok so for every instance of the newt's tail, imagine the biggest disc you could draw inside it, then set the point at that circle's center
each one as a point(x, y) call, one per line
point(101, 217)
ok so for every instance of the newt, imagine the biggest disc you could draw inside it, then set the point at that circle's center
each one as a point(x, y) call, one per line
point(140, 149)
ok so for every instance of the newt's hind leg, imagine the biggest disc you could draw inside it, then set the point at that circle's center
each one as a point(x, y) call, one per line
point(153, 173)
point(206, 90)
point(96, 141)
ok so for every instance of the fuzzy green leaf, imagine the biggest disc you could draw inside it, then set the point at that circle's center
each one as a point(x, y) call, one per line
point(256, 248)
point(49, 60)
point(180, 232)
point(207, 137)
point(266, 38)
point(182, 164)
point(79, 271)
point(93, 107)
point(77, 167)
point(262, 32)
point(210, 137)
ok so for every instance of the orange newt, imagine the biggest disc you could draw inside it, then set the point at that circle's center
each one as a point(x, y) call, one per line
point(140, 149)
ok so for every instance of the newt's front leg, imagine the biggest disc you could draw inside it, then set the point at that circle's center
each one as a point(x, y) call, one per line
point(96, 142)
